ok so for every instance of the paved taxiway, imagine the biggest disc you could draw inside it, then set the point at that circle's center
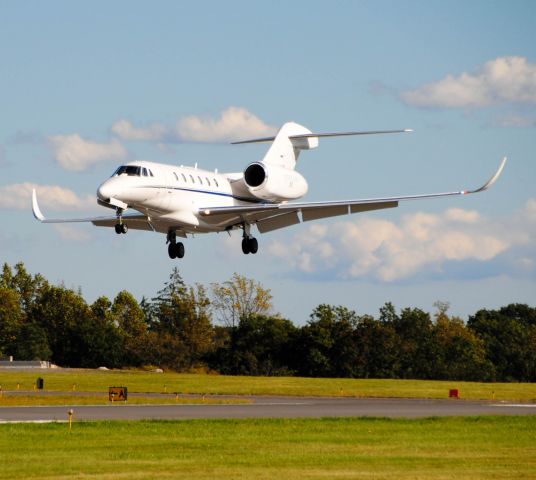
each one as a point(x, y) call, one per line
point(273, 407)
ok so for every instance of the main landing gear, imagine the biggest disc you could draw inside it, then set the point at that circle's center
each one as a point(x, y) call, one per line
point(175, 249)
point(249, 243)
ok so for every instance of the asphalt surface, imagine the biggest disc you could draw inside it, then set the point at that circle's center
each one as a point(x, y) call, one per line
point(272, 407)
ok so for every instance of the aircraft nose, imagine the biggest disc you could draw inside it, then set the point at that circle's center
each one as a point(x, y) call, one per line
point(104, 192)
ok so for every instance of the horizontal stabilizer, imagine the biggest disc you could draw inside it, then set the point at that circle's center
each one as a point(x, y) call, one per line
point(319, 135)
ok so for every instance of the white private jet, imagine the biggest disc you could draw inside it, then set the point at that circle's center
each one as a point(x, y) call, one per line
point(178, 201)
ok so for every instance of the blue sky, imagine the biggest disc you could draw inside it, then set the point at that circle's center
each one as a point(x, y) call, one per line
point(87, 86)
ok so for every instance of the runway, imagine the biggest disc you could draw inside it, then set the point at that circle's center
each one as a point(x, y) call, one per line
point(272, 407)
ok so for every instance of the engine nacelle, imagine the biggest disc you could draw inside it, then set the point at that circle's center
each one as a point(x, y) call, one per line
point(274, 183)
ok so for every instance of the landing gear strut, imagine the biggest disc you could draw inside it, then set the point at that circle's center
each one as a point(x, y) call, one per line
point(120, 227)
point(249, 243)
point(175, 249)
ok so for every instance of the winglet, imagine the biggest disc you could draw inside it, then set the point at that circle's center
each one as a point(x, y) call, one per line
point(35, 207)
point(491, 181)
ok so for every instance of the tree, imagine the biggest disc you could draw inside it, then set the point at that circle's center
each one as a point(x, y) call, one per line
point(28, 287)
point(509, 336)
point(240, 297)
point(32, 343)
point(261, 345)
point(76, 337)
point(129, 319)
point(416, 348)
point(102, 309)
point(6, 279)
point(461, 354)
point(197, 331)
point(109, 348)
point(327, 343)
point(181, 328)
point(11, 318)
point(379, 348)
point(163, 315)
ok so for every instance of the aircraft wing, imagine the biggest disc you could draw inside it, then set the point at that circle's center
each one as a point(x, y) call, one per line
point(136, 220)
point(272, 216)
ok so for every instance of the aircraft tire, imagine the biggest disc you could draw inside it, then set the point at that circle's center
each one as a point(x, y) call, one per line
point(171, 251)
point(245, 245)
point(124, 228)
point(253, 245)
point(179, 249)
point(117, 228)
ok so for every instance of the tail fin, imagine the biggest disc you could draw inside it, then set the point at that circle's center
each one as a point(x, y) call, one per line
point(292, 138)
point(285, 150)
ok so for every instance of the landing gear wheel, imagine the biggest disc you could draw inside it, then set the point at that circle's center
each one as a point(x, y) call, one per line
point(118, 228)
point(124, 228)
point(245, 245)
point(253, 245)
point(250, 245)
point(176, 250)
point(179, 249)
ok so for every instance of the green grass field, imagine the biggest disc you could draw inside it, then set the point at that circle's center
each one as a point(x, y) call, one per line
point(437, 448)
point(99, 381)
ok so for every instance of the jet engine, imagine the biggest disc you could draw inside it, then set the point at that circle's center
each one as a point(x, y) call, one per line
point(274, 183)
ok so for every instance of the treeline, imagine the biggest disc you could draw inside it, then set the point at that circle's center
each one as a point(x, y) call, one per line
point(230, 328)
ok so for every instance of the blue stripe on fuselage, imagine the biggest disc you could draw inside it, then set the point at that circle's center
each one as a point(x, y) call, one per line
point(208, 192)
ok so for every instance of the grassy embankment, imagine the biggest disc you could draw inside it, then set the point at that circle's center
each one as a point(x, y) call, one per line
point(436, 448)
point(99, 381)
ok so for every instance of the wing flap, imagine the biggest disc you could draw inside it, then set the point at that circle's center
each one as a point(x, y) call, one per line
point(316, 213)
point(278, 221)
point(372, 206)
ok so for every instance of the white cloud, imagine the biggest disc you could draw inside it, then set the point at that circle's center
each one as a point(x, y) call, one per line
point(460, 215)
point(503, 80)
point(235, 123)
point(419, 243)
point(19, 196)
point(127, 131)
point(73, 152)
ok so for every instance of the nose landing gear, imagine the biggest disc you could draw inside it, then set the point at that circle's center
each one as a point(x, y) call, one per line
point(120, 227)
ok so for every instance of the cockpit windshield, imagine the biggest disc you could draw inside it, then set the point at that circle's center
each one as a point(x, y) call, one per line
point(131, 170)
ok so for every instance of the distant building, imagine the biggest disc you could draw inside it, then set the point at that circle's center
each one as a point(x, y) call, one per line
point(10, 363)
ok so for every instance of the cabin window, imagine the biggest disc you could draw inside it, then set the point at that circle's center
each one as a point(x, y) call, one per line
point(176, 178)
point(184, 177)
point(200, 180)
point(193, 181)
point(216, 182)
point(208, 181)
